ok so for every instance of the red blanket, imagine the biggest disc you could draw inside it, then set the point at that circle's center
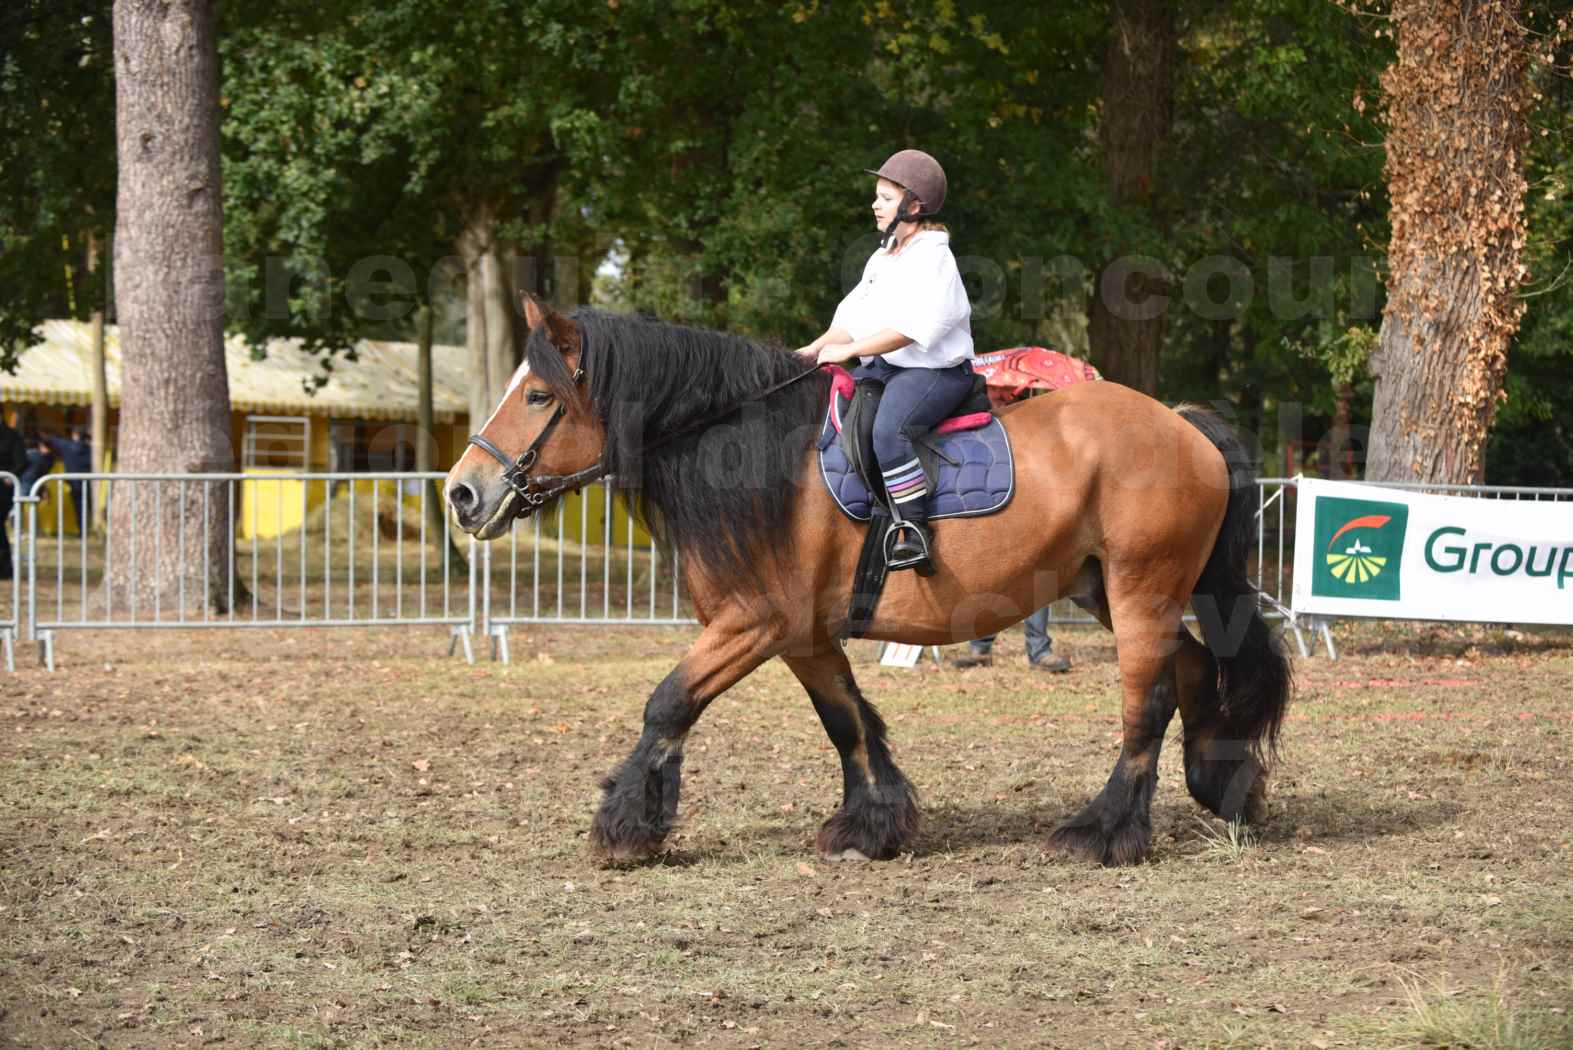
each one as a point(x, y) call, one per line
point(1032, 367)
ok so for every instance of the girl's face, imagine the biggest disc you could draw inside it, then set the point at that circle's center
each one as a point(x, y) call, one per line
point(887, 198)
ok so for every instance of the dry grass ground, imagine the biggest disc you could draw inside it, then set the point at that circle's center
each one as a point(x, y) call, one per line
point(340, 839)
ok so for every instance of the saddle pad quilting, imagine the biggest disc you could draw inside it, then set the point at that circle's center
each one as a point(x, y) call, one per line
point(981, 480)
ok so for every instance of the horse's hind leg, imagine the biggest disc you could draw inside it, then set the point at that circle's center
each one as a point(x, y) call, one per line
point(1222, 770)
point(1116, 827)
point(879, 809)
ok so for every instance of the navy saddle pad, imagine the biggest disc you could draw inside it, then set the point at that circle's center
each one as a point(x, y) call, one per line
point(976, 472)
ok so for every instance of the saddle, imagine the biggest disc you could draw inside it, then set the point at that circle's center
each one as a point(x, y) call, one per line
point(966, 458)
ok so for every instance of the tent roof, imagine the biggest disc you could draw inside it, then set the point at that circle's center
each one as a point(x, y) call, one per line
point(381, 384)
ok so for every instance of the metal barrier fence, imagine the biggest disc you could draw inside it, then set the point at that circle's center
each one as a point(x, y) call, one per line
point(294, 549)
point(589, 563)
point(244, 550)
point(10, 611)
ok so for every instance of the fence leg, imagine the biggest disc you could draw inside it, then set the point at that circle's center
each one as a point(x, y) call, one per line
point(46, 649)
point(1299, 638)
point(9, 641)
point(461, 633)
point(1327, 637)
point(500, 651)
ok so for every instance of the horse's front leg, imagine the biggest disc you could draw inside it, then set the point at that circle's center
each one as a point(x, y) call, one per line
point(639, 805)
point(879, 808)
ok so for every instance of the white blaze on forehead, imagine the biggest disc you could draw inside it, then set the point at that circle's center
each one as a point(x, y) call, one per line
point(519, 375)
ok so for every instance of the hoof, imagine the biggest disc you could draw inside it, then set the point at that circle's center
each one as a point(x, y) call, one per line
point(637, 811)
point(610, 852)
point(849, 855)
point(1238, 793)
point(1126, 844)
point(1253, 810)
point(871, 828)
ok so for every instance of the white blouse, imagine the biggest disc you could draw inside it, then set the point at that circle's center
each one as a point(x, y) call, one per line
point(919, 293)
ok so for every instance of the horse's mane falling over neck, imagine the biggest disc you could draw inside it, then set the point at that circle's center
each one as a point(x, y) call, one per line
point(724, 494)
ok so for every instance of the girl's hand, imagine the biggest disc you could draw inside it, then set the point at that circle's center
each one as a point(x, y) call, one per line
point(808, 353)
point(837, 354)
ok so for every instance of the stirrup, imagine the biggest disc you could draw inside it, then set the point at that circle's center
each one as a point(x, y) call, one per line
point(918, 534)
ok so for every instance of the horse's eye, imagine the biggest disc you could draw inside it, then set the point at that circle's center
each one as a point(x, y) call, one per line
point(537, 397)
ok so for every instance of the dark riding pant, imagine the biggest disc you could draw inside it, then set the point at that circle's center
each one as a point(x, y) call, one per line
point(915, 400)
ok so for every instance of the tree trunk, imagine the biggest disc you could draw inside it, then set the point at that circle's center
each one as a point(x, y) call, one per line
point(489, 328)
point(100, 422)
point(1338, 450)
point(93, 515)
point(539, 271)
point(426, 443)
point(170, 544)
point(426, 440)
point(1455, 113)
point(1125, 319)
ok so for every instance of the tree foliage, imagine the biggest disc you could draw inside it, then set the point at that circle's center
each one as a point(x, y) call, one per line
point(57, 163)
point(703, 160)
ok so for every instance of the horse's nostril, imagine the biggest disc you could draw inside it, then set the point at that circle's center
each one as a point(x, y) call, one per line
point(461, 496)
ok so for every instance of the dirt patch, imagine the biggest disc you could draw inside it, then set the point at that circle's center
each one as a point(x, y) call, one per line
point(341, 839)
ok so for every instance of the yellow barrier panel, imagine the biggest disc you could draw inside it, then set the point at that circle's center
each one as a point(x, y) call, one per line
point(590, 521)
point(56, 507)
point(271, 506)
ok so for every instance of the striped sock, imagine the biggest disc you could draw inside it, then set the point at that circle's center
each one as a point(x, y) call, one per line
point(906, 483)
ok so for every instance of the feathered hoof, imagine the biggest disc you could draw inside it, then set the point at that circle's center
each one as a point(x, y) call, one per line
point(1128, 843)
point(870, 829)
point(1233, 789)
point(624, 846)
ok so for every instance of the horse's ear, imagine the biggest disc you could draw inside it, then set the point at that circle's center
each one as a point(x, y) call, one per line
point(563, 333)
point(534, 315)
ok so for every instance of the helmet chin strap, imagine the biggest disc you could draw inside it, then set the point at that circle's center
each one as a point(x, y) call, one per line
point(903, 216)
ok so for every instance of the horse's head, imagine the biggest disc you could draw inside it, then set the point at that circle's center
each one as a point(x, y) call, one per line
point(541, 440)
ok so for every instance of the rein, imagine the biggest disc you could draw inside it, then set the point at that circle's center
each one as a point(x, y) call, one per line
point(533, 491)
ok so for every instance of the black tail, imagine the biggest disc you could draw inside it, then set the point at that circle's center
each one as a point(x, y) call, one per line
point(1254, 679)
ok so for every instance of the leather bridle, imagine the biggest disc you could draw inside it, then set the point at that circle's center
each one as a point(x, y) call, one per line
point(535, 490)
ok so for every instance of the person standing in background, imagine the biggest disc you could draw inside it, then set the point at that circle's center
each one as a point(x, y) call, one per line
point(40, 461)
point(76, 456)
point(13, 460)
point(1040, 655)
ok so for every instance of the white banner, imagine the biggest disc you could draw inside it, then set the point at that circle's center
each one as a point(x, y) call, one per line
point(1365, 550)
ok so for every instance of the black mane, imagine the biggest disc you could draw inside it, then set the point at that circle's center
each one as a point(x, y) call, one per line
point(723, 495)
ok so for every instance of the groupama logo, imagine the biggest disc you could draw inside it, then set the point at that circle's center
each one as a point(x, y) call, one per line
point(1360, 548)
point(1357, 563)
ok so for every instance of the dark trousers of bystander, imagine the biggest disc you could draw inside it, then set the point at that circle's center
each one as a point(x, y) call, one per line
point(7, 569)
point(1039, 644)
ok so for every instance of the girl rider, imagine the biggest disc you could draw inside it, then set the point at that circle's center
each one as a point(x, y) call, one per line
point(910, 322)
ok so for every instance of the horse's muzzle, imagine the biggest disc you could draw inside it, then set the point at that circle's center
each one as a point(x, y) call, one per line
point(484, 510)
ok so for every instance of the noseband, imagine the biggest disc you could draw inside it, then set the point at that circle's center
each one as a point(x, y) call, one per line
point(537, 489)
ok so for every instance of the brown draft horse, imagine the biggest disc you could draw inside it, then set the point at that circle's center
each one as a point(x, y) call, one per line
point(1128, 507)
